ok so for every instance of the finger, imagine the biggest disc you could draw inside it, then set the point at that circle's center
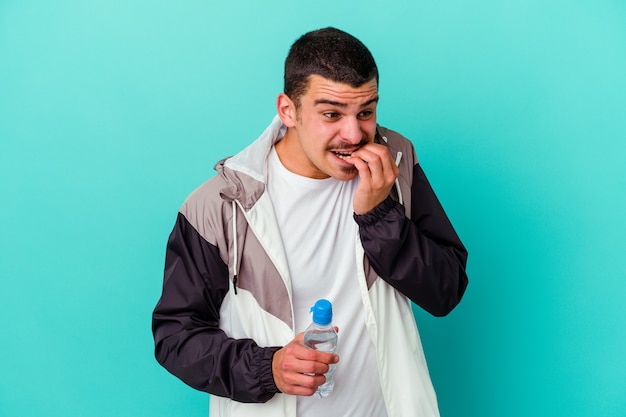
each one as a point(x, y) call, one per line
point(363, 169)
point(378, 159)
point(382, 174)
point(304, 384)
point(326, 358)
point(289, 371)
point(371, 173)
point(367, 163)
point(300, 377)
point(299, 339)
point(311, 356)
point(297, 357)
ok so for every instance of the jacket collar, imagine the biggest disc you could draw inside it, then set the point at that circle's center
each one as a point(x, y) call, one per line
point(246, 173)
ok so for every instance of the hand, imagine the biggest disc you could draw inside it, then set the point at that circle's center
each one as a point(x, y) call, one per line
point(299, 370)
point(377, 173)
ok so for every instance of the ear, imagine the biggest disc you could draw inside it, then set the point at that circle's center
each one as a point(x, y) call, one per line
point(286, 110)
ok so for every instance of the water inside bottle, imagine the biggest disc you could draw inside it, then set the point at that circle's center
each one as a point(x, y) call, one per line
point(324, 341)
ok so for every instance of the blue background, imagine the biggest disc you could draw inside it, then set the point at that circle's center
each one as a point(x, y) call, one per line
point(111, 112)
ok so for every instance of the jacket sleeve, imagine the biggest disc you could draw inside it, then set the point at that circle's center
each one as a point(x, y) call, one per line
point(185, 324)
point(421, 257)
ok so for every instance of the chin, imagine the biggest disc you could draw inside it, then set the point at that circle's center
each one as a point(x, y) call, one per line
point(346, 173)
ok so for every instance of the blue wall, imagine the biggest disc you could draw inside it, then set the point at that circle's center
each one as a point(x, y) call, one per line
point(111, 112)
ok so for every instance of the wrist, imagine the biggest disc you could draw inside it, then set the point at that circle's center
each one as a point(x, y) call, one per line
point(265, 370)
point(376, 214)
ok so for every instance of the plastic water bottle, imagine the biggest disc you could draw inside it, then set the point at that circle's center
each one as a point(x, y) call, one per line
point(321, 335)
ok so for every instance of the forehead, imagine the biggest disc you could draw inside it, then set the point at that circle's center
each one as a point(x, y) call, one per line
point(322, 89)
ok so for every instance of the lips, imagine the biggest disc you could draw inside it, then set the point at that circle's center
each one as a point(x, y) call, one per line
point(342, 154)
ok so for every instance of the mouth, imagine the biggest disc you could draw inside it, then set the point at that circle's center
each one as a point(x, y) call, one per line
point(342, 154)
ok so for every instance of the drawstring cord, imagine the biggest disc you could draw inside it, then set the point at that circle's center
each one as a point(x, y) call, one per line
point(398, 159)
point(234, 246)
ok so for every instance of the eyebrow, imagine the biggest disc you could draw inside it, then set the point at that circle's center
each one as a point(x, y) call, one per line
point(343, 105)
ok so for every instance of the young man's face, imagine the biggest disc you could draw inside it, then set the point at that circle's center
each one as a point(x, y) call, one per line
point(332, 121)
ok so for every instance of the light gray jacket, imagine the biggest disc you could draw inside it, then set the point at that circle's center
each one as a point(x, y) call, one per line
point(226, 305)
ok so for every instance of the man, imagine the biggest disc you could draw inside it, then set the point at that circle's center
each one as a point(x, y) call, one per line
point(325, 204)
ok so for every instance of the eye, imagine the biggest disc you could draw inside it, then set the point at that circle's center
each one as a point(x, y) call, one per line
point(331, 115)
point(366, 114)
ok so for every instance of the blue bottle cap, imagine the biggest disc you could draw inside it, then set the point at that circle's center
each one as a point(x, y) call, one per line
point(322, 312)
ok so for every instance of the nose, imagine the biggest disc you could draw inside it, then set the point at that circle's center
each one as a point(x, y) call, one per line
point(351, 130)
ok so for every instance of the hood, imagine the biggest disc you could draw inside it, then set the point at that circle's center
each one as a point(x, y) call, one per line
point(245, 173)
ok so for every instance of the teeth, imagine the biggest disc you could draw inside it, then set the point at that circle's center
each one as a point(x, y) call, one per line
point(343, 155)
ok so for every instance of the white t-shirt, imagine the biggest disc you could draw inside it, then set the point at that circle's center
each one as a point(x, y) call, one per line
point(319, 236)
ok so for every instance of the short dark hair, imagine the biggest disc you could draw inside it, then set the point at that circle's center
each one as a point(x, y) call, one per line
point(330, 53)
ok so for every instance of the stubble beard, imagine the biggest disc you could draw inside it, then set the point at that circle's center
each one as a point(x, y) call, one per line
point(349, 170)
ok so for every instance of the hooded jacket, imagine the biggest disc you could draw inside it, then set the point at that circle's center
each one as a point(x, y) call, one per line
point(226, 303)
